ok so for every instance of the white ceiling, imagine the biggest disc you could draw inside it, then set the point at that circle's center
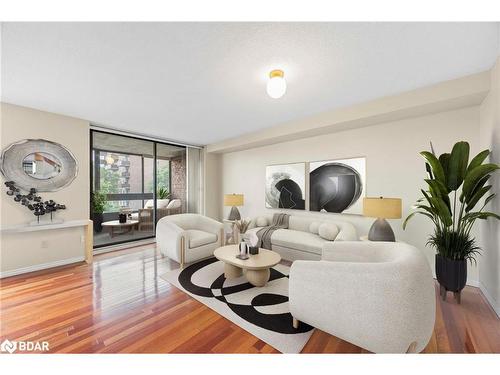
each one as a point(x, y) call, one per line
point(205, 82)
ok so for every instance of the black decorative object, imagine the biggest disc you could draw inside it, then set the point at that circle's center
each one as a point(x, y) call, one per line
point(253, 250)
point(122, 218)
point(33, 201)
point(451, 275)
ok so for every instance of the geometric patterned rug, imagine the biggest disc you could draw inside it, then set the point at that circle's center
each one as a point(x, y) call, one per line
point(263, 311)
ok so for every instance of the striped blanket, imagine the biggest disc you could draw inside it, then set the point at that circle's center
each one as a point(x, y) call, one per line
point(280, 221)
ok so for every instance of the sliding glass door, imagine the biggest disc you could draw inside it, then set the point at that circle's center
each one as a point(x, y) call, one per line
point(134, 183)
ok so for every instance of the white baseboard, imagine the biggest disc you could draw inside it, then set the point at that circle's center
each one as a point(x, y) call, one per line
point(474, 283)
point(43, 266)
point(489, 298)
point(494, 304)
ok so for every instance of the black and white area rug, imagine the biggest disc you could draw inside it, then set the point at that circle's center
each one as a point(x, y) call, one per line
point(263, 312)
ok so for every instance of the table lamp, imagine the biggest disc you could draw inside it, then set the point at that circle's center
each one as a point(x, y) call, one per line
point(233, 200)
point(382, 208)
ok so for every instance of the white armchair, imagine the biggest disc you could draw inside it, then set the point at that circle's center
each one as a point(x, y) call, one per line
point(377, 295)
point(186, 238)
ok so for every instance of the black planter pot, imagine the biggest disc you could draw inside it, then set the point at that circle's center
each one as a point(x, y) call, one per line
point(451, 275)
point(97, 219)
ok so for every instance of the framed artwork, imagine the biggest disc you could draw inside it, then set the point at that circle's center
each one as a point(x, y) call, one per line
point(285, 186)
point(337, 185)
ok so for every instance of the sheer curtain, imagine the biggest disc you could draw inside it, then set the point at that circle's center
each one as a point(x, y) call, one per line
point(194, 180)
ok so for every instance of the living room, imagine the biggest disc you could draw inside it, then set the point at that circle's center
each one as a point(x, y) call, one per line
point(319, 187)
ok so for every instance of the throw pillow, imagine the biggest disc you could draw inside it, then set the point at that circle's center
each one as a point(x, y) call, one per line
point(328, 231)
point(261, 221)
point(314, 227)
point(162, 203)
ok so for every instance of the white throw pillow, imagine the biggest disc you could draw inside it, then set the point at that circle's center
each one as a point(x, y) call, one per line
point(162, 203)
point(314, 227)
point(261, 221)
point(328, 231)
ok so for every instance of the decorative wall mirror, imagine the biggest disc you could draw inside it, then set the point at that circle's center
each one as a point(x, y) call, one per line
point(39, 164)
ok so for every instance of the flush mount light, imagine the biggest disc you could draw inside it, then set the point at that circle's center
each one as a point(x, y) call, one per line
point(276, 86)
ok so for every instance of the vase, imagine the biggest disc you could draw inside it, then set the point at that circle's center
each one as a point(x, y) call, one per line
point(238, 237)
point(451, 275)
point(97, 219)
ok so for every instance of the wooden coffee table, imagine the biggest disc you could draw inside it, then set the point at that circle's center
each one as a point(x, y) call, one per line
point(256, 267)
point(127, 227)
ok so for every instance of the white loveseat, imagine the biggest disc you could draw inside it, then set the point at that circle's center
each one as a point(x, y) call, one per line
point(298, 242)
point(186, 238)
point(377, 295)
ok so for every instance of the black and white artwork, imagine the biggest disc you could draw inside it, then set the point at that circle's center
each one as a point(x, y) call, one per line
point(285, 186)
point(337, 185)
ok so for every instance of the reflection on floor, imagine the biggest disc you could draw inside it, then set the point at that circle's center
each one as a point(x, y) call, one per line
point(119, 304)
point(103, 238)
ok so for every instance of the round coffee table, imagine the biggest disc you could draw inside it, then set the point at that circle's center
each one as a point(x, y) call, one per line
point(256, 267)
point(127, 227)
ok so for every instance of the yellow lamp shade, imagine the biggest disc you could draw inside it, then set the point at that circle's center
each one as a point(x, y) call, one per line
point(386, 208)
point(233, 200)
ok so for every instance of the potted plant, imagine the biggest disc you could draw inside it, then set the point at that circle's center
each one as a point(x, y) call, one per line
point(98, 201)
point(455, 187)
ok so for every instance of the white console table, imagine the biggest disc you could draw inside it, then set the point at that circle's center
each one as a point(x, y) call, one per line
point(86, 224)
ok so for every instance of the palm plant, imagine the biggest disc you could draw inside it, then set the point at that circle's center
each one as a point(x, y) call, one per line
point(162, 193)
point(455, 187)
point(454, 217)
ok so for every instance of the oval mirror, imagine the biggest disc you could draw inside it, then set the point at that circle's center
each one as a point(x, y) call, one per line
point(41, 165)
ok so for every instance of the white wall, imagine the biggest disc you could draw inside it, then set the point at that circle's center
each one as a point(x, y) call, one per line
point(490, 230)
point(40, 248)
point(394, 166)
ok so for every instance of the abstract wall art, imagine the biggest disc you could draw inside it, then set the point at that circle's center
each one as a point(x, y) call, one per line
point(285, 186)
point(337, 185)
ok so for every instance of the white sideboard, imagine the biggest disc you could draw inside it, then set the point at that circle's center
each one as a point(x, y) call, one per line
point(86, 224)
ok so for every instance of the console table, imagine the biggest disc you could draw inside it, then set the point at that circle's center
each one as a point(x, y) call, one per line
point(87, 224)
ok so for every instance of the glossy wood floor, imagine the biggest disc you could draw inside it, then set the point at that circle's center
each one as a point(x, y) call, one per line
point(120, 305)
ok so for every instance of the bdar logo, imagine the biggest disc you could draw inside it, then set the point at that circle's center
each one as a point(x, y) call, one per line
point(8, 346)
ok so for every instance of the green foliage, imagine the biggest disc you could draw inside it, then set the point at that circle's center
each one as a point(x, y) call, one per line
point(162, 193)
point(98, 201)
point(162, 177)
point(109, 184)
point(449, 173)
point(454, 245)
point(110, 181)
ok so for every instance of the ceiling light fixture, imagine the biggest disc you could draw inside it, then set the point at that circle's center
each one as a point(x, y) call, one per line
point(276, 86)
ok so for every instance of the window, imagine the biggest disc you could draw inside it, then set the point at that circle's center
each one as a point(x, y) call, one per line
point(123, 182)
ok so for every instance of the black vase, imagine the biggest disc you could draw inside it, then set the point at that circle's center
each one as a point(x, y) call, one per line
point(451, 274)
point(122, 218)
point(97, 219)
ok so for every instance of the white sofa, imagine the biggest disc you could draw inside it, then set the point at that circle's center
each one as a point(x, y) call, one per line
point(186, 238)
point(298, 242)
point(377, 295)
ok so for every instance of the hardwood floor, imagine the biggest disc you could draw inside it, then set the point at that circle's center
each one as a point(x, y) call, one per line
point(120, 305)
